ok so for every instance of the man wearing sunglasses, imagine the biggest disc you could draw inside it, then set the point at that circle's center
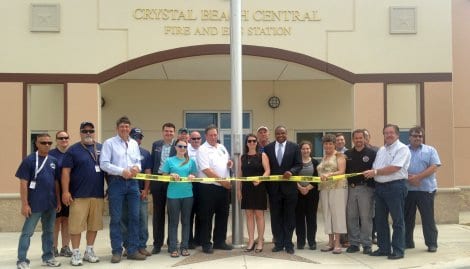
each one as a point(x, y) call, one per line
point(422, 186)
point(38, 174)
point(195, 140)
point(83, 192)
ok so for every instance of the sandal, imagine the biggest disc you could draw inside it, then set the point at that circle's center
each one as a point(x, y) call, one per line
point(327, 248)
point(174, 254)
point(185, 252)
point(337, 250)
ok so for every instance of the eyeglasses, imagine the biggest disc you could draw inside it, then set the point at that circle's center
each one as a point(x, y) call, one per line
point(45, 143)
point(417, 136)
point(195, 138)
point(87, 131)
point(181, 146)
point(62, 138)
point(251, 141)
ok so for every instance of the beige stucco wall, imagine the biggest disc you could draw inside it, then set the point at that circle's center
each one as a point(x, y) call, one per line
point(304, 104)
point(95, 36)
point(83, 104)
point(438, 128)
point(460, 92)
point(12, 141)
point(369, 109)
point(402, 105)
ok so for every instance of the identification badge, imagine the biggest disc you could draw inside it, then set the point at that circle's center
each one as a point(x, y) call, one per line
point(32, 185)
point(97, 168)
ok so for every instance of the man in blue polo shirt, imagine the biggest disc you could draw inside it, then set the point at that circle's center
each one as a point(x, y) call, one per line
point(422, 187)
point(83, 192)
point(38, 174)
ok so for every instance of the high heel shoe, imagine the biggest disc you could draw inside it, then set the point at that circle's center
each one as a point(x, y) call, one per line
point(259, 250)
point(250, 249)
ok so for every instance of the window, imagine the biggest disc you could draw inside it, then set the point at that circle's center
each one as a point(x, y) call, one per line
point(316, 139)
point(198, 121)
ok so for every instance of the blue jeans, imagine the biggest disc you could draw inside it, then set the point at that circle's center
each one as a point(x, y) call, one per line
point(390, 199)
point(143, 224)
point(120, 190)
point(47, 220)
point(175, 207)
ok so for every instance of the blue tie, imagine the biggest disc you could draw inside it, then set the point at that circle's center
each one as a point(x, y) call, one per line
point(279, 154)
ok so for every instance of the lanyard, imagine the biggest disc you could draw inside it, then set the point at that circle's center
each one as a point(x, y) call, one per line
point(36, 170)
point(93, 155)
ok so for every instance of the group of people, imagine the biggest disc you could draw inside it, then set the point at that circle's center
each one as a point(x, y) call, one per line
point(65, 189)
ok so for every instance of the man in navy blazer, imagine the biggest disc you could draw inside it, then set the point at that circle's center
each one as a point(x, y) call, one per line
point(161, 150)
point(284, 159)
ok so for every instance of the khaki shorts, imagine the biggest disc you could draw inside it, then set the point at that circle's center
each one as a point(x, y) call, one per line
point(86, 214)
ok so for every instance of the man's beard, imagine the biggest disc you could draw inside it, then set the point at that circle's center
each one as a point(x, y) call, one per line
point(88, 140)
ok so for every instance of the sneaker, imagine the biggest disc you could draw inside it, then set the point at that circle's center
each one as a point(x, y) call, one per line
point(65, 252)
point(76, 259)
point(51, 263)
point(56, 253)
point(90, 256)
point(22, 265)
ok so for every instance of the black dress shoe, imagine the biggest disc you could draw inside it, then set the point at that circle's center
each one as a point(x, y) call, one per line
point(395, 256)
point(290, 250)
point(208, 250)
point(367, 250)
point(277, 249)
point(432, 249)
point(378, 253)
point(410, 245)
point(156, 250)
point(191, 245)
point(352, 249)
point(313, 246)
point(300, 246)
point(250, 249)
point(223, 246)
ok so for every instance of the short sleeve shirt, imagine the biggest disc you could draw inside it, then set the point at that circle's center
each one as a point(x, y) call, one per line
point(85, 181)
point(146, 162)
point(43, 196)
point(359, 161)
point(179, 189)
point(396, 154)
point(422, 158)
point(215, 158)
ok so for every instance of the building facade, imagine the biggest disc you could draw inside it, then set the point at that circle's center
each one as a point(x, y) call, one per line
point(331, 66)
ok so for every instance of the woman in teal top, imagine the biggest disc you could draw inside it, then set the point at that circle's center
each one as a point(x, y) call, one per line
point(180, 196)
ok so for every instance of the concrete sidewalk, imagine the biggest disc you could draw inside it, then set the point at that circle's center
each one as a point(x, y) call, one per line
point(453, 253)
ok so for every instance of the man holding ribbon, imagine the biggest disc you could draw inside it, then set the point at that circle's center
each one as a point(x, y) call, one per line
point(284, 159)
point(213, 161)
point(120, 158)
point(360, 195)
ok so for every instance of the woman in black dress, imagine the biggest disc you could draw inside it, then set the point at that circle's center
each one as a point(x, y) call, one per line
point(253, 194)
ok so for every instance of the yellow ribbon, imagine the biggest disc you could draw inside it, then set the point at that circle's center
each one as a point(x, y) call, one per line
point(274, 178)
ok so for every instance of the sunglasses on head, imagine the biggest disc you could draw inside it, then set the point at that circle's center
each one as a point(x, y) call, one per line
point(181, 146)
point(62, 138)
point(87, 131)
point(45, 143)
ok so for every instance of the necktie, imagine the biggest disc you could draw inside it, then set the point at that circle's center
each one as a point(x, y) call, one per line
point(279, 154)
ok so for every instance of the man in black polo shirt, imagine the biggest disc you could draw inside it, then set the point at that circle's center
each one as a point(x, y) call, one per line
point(360, 194)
